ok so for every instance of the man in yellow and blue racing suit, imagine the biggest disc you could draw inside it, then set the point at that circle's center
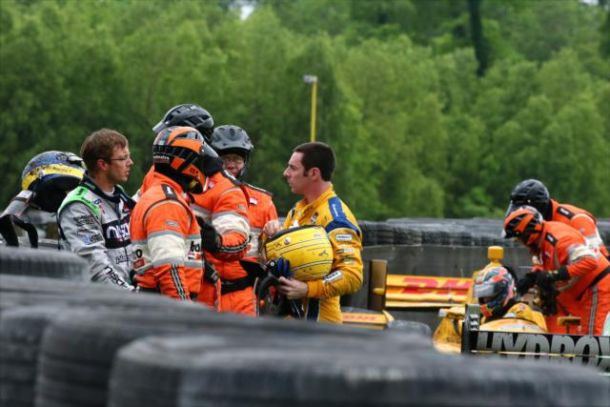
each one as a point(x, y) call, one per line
point(309, 174)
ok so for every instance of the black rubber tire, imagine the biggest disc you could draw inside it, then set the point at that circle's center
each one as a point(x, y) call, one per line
point(42, 263)
point(385, 234)
point(183, 349)
point(22, 328)
point(75, 341)
point(431, 237)
point(21, 331)
point(369, 233)
point(16, 291)
point(288, 376)
point(445, 237)
point(404, 235)
point(33, 284)
point(410, 326)
point(464, 238)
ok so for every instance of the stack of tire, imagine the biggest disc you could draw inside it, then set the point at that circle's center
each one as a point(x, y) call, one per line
point(481, 232)
point(69, 343)
point(431, 231)
point(36, 287)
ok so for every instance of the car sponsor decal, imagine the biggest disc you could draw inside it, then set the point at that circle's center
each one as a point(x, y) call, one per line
point(588, 350)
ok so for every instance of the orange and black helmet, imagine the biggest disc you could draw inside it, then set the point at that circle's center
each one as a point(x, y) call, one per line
point(181, 153)
point(524, 223)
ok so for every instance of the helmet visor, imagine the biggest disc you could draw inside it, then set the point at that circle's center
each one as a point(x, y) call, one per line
point(159, 126)
point(206, 131)
point(208, 152)
point(512, 206)
point(208, 158)
point(485, 289)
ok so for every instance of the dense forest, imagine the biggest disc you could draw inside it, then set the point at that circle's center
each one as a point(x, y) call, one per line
point(435, 108)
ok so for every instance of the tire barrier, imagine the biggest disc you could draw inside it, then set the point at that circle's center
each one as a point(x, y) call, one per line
point(17, 291)
point(195, 371)
point(42, 263)
point(21, 331)
point(369, 232)
point(22, 326)
point(177, 349)
point(77, 351)
point(411, 326)
point(445, 232)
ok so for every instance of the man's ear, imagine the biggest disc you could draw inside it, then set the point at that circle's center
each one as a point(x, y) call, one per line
point(101, 164)
point(314, 173)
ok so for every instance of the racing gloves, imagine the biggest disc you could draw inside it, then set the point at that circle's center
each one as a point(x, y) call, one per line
point(210, 238)
point(109, 276)
point(526, 282)
point(541, 279)
point(544, 278)
point(279, 268)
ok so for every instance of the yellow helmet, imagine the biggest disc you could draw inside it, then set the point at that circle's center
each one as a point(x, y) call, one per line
point(307, 248)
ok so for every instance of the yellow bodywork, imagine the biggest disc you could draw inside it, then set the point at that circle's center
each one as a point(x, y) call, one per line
point(367, 319)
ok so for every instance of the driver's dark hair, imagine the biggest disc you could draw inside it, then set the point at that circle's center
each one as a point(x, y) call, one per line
point(318, 155)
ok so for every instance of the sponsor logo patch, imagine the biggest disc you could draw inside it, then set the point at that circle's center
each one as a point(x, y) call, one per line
point(89, 238)
point(195, 247)
point(84, 220)
point(332, 277)
point(342, 237)
point(121, 258)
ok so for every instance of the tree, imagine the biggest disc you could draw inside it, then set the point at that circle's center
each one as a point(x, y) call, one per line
point(478, 39)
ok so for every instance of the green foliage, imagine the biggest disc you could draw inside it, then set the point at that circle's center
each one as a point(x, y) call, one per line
point(416, 132)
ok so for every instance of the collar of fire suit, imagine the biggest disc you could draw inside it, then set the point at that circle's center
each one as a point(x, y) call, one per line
point(301, 206)
point(553, 207)
point(117, 195)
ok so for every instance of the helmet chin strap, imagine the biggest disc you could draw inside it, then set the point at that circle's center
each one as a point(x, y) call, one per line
point(187, 183)
point(242, 173)
point(212, 166)
point(548, 211)
point(195, 187)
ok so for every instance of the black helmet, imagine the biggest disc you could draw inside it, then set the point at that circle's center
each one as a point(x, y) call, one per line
point(230, 139)
point(190, 115)
point(533, 193)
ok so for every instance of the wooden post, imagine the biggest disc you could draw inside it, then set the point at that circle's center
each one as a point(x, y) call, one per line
point(377, 284)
